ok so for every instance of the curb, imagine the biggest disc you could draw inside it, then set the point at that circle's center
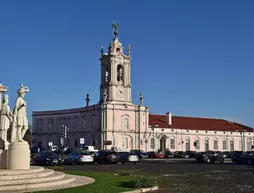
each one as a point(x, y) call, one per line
point(142, 190)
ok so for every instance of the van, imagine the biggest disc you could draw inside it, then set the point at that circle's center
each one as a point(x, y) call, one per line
point(90, 148)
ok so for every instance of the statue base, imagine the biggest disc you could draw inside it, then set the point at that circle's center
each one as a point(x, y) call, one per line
point(18, 156)
point(3, 154)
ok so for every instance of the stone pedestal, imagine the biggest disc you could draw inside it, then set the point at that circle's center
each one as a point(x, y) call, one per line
point(3, 154)
point(18, 156)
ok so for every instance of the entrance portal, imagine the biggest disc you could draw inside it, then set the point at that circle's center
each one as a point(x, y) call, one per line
point(163, 143)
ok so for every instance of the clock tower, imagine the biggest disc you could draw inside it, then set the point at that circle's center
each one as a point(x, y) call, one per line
point(115, 72)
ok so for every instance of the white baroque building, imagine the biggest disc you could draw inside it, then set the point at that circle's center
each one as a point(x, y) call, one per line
point(122, 124)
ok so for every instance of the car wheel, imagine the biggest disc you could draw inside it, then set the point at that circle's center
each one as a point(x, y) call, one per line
point(74, 162)
point(208, 160)
point(134, 162)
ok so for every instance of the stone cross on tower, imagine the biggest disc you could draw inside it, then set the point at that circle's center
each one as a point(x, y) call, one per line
point(115, 26)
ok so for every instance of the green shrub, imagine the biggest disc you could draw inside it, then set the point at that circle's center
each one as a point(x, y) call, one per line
point(124, 173)
point(144, 182)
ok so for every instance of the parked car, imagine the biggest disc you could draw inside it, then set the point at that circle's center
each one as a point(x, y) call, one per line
point(79, 158)
point(180, 154)
point(90, 148)
point(191, 154)
point(106, 157)
point(236, 156)
point(159, 155)
point(141, 154)
point(168, 154)
point(126, 157)
point(151, 154)
point(46, 158)
point(210, 157)
point(246, 157)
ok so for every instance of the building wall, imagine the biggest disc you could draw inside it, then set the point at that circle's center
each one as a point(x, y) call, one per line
point(126, 123)
point(177, 139)
point(49, 126)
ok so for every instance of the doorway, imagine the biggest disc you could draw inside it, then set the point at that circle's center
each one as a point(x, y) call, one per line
point(163, 143)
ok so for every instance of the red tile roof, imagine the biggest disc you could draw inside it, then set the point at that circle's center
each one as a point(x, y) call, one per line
point(194, 123)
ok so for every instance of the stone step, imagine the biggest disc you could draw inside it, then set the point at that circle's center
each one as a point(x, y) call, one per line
point(21, 187)
point(33, 169)
point(43, 173)
point(54, 176)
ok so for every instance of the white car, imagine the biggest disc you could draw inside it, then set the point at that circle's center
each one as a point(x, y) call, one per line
point(90, 148)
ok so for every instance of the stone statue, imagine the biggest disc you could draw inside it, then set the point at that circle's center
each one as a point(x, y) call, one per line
point(105, 95)
point(106, 76)
point(5, 119)
point(20, 121)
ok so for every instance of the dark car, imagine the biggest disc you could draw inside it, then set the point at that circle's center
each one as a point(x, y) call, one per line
point(126, 157)
point(103, 157)
point(191, 154)
point(46, 158)
point(246, 157)
point(210, 157)
point(141, 154)
point(236, 156)
point(151, 154)
point(180, 154)
point(168, 154)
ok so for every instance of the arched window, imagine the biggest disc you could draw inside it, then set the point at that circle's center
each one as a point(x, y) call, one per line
point(125, 121)
point(172, 143)
point(249, 144)
point(206, 144)
point(125, 143)
point(197, 147)
point(119, 72)
point(232, 145)
point(224, 144)
point(187, 144)
point(215, 144)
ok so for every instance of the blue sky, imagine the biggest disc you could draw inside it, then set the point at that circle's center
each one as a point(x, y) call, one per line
point(192, 58)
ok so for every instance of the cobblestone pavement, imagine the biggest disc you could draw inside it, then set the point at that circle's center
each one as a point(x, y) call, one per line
point(186, 175)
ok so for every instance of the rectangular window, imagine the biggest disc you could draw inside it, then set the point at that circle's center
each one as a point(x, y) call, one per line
point(172, 143)
point(215, 145)
point(126, 123)
point(152, 143)
point(224, 144)
point(84, 123)
point(94, 121)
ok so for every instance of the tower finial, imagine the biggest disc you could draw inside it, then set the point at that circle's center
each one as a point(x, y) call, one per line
point(115, 26)
point(129, 50)
point(141, 99)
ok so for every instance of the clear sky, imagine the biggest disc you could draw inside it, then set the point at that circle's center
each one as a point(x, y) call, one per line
point(192, 58)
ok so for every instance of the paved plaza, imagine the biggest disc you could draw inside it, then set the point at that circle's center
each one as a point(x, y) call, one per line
point(187, 175)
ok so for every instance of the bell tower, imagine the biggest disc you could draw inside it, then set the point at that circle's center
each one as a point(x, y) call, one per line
point(115, 71)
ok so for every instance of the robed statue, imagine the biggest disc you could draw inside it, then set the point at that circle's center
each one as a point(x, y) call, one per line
point(5, 119)
point(20, 121)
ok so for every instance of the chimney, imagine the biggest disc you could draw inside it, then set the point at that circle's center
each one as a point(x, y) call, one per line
point(169, 118)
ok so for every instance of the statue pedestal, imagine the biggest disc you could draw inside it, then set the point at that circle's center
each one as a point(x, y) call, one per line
point(3, 154)
point(18, 156)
